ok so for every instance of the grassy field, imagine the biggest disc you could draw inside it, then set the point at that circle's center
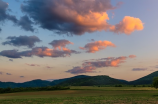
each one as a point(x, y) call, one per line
point(85, 95)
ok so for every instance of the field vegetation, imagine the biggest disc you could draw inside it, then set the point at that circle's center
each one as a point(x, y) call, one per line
point(85, 95)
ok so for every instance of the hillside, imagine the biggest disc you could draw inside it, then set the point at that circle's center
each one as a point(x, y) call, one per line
point(91, 81)
point(56, 82)
point(145, 80)
point(37, 83)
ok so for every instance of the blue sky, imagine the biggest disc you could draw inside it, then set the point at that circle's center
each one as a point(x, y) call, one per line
point(141, 43)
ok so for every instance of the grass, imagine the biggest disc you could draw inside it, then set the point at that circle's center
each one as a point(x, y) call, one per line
point(85, 95)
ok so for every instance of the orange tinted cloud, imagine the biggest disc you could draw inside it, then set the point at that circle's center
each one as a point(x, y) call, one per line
point(97, 46)
point(132, 56)
point(127, 25)
point(117, 61)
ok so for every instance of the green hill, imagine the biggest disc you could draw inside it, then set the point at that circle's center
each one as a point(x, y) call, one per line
point(91, 81)
point(145, 80)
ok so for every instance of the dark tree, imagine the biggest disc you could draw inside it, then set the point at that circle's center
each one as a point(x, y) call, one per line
point(155, 82)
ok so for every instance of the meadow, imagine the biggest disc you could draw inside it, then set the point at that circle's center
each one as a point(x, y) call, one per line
point(85, 95)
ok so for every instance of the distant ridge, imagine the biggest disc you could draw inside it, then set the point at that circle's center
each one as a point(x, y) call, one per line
point(81, 80)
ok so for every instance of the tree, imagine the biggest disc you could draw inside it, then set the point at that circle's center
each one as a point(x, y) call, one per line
point(155, 82)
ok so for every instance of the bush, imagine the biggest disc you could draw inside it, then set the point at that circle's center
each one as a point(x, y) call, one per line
point(118, 85)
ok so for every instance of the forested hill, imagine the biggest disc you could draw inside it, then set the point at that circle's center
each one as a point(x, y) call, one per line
point(91, 81)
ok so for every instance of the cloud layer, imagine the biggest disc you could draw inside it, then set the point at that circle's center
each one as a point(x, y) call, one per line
point(92, 65)
point(28, 41)
point(77, 17)
point(69, 16)
point(97, 46)
point(38, 51)
point(4, 15)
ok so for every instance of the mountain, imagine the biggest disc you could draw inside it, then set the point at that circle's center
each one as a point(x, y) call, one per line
point(91, 81)
point(82, 80)
point(145, 80)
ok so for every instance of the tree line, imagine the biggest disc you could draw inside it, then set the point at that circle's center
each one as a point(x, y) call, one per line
point(27, 89)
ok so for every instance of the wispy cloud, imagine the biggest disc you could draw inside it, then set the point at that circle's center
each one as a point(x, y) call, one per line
point(10, 59)
point(139, 69)
point(132, 56)
point(22, 76)
point(80, 70)
point(32, 64)
point(8, 74)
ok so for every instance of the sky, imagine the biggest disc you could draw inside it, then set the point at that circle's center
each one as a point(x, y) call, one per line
point(54, 39)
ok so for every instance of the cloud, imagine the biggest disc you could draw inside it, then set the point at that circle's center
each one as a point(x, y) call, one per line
point(69, 16)
point(108, 62)
point(97, 46)
point(10, 54)
point(38, 51)
point(1, 73)
point(26, 23)
point(21, 76)
point(4, 15)
point(10, 59)
point(93, 64)
point(132, 56)
point(60, 44)
point(8, 74)
point(28, 41)
point(139, 69)
point(48, 67)
point(80, 70)
point(127, 25)
point(32, 64)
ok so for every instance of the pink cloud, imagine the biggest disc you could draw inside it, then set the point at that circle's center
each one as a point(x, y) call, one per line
point(127, 25)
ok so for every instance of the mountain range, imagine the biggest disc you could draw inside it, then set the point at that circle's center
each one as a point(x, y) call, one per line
point(82, 80)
